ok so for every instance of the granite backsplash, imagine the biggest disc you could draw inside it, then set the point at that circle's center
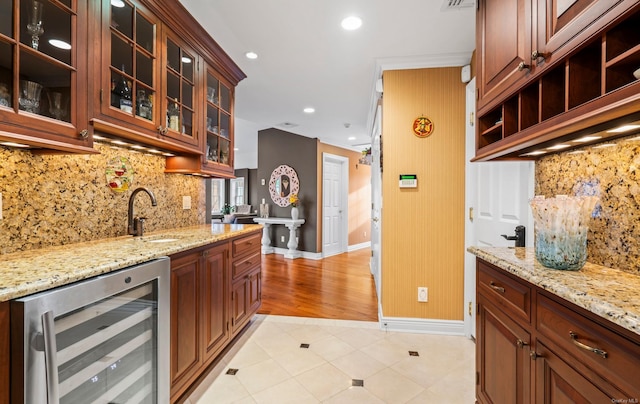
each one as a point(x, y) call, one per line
point(611, 171)
point(50, 200)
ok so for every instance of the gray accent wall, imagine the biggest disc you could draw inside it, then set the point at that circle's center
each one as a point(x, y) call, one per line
point(277, 147)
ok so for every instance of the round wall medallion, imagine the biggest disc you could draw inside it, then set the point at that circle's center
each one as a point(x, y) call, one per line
point(423, 126)
point(283, 182)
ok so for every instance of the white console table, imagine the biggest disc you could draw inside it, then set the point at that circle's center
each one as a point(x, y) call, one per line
point(291, 224)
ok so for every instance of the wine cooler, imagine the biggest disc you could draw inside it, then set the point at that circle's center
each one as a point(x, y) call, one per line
point(102, 340)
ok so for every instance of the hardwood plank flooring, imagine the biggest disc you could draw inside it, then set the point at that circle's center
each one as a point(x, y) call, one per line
point(339, 287)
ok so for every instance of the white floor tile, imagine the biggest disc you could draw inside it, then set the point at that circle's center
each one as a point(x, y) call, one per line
point(358, 365)
point(324, 381)
point(391, 387)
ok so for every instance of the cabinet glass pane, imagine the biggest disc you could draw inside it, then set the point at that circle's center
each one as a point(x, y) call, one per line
point(6, 75)
point(66, 2)
point(121, 91)
point(187, 95)
point(225, 98)
point(145, 33)
point(212, 147)
point(144, 102)
point(6, 18)
point(187, 121)
point(44, 91)
point(121, 55)
point(173, 86)
point(212, 89)
point(40, 20)
point(144, 68)
point(224, 125)
point(224, 151)
point(212, 119)
point(173, 56)
point(187, 66)
point(122, 18)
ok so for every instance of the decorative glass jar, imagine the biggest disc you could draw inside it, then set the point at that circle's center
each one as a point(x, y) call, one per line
point(561, 227)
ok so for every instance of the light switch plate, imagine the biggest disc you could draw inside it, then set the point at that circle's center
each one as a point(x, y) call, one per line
point(186, 202)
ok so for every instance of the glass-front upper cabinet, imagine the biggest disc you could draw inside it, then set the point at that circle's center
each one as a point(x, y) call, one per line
point(129, 91)
point(43, 74)
point(219, 150)
point(180, 72)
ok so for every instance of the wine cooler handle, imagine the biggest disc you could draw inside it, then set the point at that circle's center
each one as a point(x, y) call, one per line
point(50, 357)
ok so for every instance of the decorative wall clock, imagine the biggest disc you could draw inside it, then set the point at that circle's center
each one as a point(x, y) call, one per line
point(423, 126)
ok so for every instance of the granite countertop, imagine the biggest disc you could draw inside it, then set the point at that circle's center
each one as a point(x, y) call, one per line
point(27, 272)
point(609, 293)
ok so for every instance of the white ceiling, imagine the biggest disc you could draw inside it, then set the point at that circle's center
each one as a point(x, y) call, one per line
point(306, 59)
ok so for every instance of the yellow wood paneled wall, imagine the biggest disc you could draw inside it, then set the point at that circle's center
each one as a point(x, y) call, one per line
point(423, 228)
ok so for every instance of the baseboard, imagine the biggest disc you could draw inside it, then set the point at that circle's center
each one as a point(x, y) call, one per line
point(305, 254)
point(360, 246)
point(421, 325)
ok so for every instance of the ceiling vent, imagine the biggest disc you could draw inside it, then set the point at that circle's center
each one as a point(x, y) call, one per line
point(287, 124)
point(450, 5)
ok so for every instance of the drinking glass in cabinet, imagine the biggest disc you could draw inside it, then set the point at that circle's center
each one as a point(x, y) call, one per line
point(173, 116)
point(30, 96)
point(144, 106)
point(57, 105)
point(34, 26)
point(5, 95)
point(211, 95)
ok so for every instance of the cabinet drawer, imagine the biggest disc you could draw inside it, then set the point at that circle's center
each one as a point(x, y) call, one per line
point(246, 244)
point(618, 360)
point(504, 291)
point(243, 266)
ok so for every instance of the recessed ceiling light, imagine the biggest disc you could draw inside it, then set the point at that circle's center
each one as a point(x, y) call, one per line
point(587, 139)
point(351, 138)
point(534, 153)
point(186, 59)
point(120, 142)
point(59, 44)
point(309, 110)
point(117, 3)
point(604, 145)
point(351, 23)
point(154, 151)
point(168, 154)
point(251, 55)
point(98, 137)
point(235, 149)
point(12, 144)
point(625, 128)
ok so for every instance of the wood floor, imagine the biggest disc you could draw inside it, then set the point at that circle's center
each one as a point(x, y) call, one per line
point(338, 287)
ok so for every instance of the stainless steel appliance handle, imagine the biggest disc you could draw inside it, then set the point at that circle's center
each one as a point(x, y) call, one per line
point(50, 357)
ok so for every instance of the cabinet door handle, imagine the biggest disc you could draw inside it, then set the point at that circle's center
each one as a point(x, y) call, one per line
point(536, 56)
point(597, 351)
point(523, 66)
point(84, 133)
point(521, 343)
point(50, 357)
point(534, 355)
point(496, 287)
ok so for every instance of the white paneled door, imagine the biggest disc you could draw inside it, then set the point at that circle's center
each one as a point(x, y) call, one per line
point(334, 204)
point(497, 200)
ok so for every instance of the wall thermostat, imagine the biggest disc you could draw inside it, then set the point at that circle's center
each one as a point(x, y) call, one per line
point(408, 181)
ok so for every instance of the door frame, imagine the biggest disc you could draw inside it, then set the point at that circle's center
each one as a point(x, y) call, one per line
point(469, 231)
point(344, 200)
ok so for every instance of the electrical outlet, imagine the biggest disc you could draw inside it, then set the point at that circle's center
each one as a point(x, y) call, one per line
point(423, 294)
point(186, 202)
point(263, 182)
point(282, 238)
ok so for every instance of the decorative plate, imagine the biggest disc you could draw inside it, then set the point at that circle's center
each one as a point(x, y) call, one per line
point(119, 174)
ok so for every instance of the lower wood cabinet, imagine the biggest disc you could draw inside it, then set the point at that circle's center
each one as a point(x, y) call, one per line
point(559, 353)
point(5, 353)
point(209, 305)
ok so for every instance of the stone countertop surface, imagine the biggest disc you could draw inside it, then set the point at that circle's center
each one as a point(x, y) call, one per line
point(609, 293)
point(27, 272)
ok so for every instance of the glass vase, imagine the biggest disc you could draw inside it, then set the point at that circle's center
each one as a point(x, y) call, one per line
point(561, 227)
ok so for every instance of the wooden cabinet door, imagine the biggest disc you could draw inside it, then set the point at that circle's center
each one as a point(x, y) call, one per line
point(43, 87)
point(185, 321)
point(5, 354)
point(558, 382)
point(254, 284)
point(503, 44)
point(215, 308)
point(239, 304)
point(569, 22)
point(502, 358)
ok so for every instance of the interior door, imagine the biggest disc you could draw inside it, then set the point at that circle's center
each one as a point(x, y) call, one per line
point(333, 205)
point(376, 202)
point(497, 200)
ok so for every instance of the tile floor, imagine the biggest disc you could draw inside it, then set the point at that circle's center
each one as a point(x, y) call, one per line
point(272, 367)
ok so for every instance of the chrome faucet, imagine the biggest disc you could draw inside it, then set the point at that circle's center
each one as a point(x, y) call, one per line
point(136, 225)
